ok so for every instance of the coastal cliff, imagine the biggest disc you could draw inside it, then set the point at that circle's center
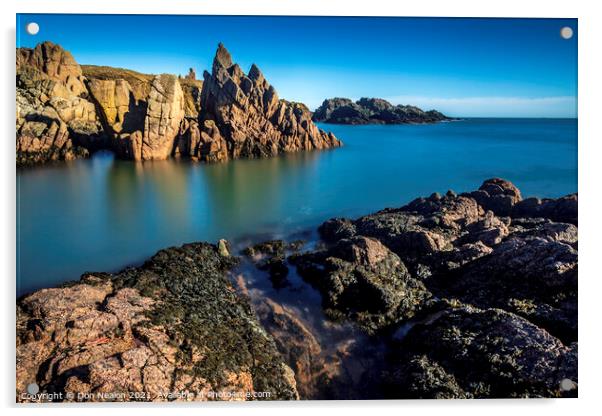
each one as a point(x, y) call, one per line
point(373, 111)
point(469, 295)
point(250, 120)
point(55, 118)
point(65, 112)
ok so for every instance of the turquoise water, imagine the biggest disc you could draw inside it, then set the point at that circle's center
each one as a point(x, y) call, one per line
point(103, 214)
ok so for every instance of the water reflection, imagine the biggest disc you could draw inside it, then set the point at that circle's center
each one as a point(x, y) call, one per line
point(103, 214)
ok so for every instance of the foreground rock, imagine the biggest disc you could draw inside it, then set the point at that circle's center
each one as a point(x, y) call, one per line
point(473, 353)
point(65, 112)
point(363, 280)
point(450, 296)
point(373, 111)
point(478, 290)
point(172, 329)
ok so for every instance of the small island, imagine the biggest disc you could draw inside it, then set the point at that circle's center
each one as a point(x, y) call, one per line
point(373, 111)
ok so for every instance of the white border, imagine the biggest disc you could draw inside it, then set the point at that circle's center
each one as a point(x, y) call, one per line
point(590, 73)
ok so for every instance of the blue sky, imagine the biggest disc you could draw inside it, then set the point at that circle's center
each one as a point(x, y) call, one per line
point(463, 67)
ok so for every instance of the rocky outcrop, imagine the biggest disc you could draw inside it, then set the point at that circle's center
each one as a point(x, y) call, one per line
point(55, 119)
point(165, 112)
point(373, 111)
point(478, 290)
point(66, 112)
point(172, 329)
point(120, 111)
point(440, 298)
point(54, 62)
point(472, 353)
point(251, 120)
point(147, 129)
point(362, 280)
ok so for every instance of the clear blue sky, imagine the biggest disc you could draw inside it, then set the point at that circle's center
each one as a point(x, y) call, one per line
point(464, 67)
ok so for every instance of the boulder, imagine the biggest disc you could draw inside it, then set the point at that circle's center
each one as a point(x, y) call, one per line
point(362, 280)
point(561, 210)
point(483, 353)
point(497, 195)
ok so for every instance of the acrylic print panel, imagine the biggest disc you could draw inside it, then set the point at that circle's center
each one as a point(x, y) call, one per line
point(263, 209)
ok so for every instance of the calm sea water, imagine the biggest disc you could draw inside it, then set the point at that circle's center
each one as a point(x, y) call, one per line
point(103, 214)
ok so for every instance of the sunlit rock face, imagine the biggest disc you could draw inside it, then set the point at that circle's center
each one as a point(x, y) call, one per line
point(55, 119)
point(65, 112)
point(250, 118)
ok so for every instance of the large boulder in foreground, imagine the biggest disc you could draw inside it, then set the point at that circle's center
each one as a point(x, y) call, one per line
point(250, 117)
point(469, 352)
point(362, 280)
point(174, 324)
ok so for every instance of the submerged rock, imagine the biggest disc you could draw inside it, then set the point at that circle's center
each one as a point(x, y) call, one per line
point(270, 256)
point(174, 324)
point(297, 344)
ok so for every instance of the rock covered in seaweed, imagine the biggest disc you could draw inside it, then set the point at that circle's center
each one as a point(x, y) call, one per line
point(469, 352)
point(362, 280)
point(492, 287)
point(150, 330)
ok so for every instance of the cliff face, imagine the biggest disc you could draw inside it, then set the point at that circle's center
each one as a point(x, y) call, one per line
point(373, 111)
point(64, 112)
point(55, 118)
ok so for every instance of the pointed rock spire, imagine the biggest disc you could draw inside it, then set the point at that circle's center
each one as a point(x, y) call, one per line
point(222, 58)
point(255, 73)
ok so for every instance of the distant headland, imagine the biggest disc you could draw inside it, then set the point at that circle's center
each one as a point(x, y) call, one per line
point(373, 111)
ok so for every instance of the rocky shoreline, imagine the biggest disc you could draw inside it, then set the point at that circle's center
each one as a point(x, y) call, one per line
point(373, 111)
point(470, 295)
point(66, 112)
